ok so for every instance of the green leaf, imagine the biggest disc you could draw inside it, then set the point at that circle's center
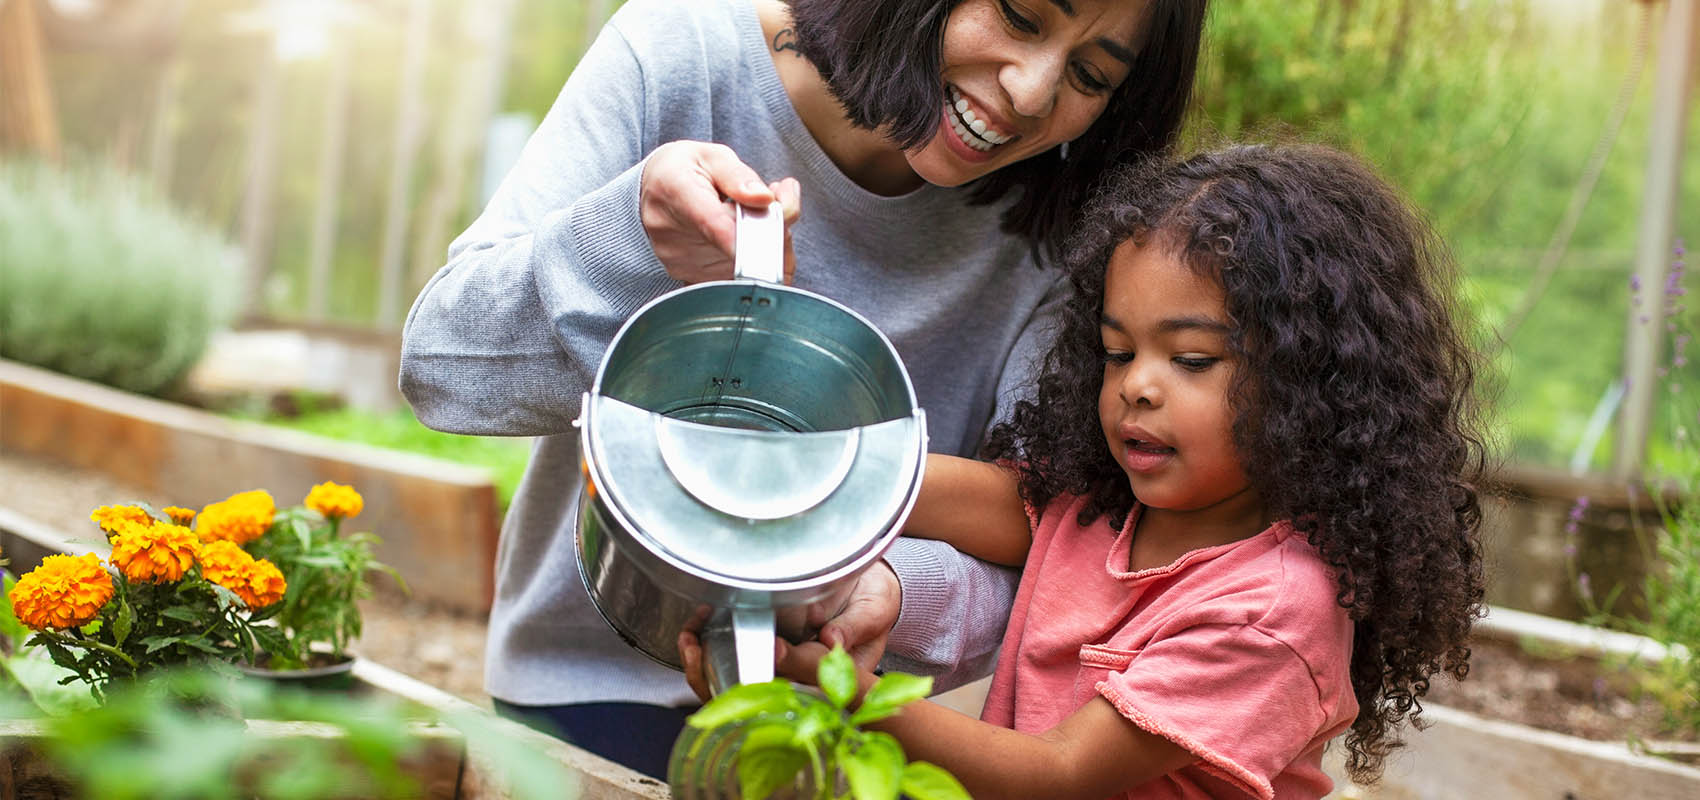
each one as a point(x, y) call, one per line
point(183, 614)
point(11, 629)
point(768, 759)
point(44, 681)
point(303, 532)
point(156, 643)
point(924, 781)
point(837, 676)
point(745, 701)
point(874, 766)
point(125, 620)
point(891, 692)
point(818, 723)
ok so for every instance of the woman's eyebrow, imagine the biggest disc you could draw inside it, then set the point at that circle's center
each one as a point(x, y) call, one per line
point(1111, 46)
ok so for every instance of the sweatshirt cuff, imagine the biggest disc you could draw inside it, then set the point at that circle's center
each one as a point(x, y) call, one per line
point(607, 232)
point(925, 583)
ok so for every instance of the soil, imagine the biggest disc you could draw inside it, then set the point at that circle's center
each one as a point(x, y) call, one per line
point(446, 649)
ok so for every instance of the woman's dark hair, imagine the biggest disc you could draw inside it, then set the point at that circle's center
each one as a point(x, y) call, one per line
point(882, 61)
point(1354, 398)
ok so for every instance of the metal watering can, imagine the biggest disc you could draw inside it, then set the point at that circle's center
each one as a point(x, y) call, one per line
point(749, 447)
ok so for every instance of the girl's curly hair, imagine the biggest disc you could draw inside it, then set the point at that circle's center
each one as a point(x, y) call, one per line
point(1355, 413)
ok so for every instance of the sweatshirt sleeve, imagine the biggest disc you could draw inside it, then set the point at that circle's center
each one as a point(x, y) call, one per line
point(505, 338)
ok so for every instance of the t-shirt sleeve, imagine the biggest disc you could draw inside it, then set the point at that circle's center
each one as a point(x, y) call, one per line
point(1241, 700)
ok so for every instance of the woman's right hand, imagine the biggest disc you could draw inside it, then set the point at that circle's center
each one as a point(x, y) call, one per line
point(682, 202)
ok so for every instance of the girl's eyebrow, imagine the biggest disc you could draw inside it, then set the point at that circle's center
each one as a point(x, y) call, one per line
point(1172, 324)
point(1111, 46)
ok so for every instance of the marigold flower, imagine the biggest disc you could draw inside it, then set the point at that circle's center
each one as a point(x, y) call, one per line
point(179, 514)
point(335, 501)
point(257, 581)
point(64, 592)
point(240, 518)
point(154, 553)
point(109, 517)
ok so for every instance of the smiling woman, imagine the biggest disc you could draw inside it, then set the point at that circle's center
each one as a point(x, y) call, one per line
point(935, 236)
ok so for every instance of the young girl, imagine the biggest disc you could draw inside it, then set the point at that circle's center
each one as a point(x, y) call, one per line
point(1243, 494)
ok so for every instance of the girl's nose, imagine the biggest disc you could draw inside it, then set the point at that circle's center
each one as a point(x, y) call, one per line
point(1032, 80)
point(1140, 386)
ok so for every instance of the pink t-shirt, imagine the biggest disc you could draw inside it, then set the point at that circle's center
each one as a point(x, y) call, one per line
point(1238, 653)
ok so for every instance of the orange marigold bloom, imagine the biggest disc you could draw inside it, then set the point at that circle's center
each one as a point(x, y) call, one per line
point(179, 514)
point(155, 553)
point(108, 517)
point(64, 592)
point(240, 518)
point(335, 501)
point(257, 581)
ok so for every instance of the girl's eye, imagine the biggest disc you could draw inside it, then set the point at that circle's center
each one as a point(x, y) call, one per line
point(1015, 18)
point(1111, 357)
point(1089, 81)
point(1196, 363)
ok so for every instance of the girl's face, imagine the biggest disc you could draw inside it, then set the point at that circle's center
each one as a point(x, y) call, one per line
point(1167, 369)
point(1023, 76)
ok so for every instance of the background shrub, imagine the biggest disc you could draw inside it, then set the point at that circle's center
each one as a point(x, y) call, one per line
point(100, 278)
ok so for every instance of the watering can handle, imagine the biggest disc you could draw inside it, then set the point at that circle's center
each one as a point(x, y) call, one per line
point(760, 251)
point(738, 647)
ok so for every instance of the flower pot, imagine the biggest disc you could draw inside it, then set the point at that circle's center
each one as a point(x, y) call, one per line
point(326, 673)
point(704, 765)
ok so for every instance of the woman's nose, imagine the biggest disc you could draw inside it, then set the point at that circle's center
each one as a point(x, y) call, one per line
point(1032, 80)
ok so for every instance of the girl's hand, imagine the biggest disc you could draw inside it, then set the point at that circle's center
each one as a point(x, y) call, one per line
point(682, 204)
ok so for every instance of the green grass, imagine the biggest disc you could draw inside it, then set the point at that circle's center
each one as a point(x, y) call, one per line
point(505, 458)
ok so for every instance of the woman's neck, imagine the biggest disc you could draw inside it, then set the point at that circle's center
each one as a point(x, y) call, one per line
point(864, 156)
point(1163, 535)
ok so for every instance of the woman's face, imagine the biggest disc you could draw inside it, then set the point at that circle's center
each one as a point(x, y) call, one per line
point(1023, 76)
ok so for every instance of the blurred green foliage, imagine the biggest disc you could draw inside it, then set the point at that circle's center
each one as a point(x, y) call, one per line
point(1484, 111)
point(504, 457)
point(104, 279)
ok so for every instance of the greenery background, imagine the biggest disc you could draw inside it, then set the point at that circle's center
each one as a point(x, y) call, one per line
point(1484, 111)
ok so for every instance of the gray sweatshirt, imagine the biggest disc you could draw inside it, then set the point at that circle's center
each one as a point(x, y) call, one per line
point(508, 335)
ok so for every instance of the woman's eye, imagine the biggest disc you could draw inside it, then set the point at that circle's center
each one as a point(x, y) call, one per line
point(1089, 81)
point(1196, 363)
point(1016, 19)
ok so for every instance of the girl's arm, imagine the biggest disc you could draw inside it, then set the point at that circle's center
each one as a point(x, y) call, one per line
point(1094, 753)
point(973, 505)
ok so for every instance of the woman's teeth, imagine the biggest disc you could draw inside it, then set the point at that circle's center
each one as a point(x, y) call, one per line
point(970, 129)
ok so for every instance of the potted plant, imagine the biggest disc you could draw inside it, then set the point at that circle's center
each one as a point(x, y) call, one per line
point(777, 740)
point(326, 567)
point(161, 598)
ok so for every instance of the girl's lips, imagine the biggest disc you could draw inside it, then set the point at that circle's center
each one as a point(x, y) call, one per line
point(1138, 459)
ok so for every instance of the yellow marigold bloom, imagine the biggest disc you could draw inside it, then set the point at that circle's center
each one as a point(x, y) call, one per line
point(64, 592)
point(108, 517)
point(179, 514)
point(257, 581)
point(155, 553)
point(335, 501)
point(240, 518)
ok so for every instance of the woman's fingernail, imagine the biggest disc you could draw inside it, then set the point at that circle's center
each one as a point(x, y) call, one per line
point(755, 187)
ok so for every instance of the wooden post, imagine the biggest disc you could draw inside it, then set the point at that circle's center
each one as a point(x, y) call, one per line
point(326, 206)
point(478, 90)
point(258, 213)
point(1659, 201)
point(27, 121)
point(409, 122)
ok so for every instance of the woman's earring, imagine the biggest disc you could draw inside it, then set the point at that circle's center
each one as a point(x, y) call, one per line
point(1062, 152)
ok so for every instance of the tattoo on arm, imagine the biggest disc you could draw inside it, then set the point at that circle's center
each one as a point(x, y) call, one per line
point(785, 40)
